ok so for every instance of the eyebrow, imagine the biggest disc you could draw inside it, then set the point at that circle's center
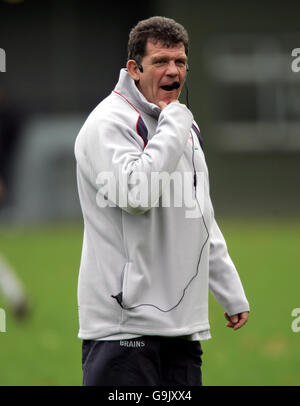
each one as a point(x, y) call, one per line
point(166, 58)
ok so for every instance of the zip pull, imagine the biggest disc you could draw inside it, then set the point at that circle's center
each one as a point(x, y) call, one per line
point(119, 298)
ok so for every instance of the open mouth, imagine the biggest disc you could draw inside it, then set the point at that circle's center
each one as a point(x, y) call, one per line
point(168, 88)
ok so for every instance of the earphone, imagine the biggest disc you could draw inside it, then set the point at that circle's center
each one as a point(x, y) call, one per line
point(140, 67)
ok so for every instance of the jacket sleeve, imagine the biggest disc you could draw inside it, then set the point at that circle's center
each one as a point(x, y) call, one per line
point(224, 281)
point(122, 169)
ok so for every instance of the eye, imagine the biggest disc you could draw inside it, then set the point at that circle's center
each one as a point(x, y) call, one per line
point(181, 63)
point(161, 62)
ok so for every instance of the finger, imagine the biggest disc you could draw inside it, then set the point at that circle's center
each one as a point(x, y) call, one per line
point(226, 316)
point(234, 319)
point(238, 325)
point(162, 105)
point(242, 321)
point(229, 324)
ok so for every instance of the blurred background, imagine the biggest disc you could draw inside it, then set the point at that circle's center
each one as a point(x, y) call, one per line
point(58, 61)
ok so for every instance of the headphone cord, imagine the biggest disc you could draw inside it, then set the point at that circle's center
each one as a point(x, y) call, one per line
point(119, 296)
point(187, 96)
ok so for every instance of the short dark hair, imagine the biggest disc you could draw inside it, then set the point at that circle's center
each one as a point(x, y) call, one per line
point(163, 29)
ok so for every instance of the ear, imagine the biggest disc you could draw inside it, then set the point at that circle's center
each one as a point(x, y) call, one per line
point(133, 69)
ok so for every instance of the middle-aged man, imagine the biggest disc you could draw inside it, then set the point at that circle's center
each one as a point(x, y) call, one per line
point(150, 254)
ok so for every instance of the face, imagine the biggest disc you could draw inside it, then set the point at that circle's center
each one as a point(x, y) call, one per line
point(161, 66)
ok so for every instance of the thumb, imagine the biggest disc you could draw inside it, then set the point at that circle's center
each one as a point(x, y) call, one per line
point(162, 105)
point(234, 318)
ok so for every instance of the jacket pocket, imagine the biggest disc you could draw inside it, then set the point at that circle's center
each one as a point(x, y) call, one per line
point(133, 287)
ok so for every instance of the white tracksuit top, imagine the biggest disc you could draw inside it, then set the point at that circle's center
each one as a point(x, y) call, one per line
point(147, 261)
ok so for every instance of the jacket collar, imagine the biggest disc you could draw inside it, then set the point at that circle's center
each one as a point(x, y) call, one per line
point(127, 88)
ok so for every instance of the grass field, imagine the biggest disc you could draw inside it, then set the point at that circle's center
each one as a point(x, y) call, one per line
point(45, 350)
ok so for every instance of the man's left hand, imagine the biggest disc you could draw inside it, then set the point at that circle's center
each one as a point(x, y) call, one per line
point(236, 321)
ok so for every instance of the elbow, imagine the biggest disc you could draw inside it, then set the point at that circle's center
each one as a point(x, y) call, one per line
point(138, 199)
point(136, 211)
point(134, 198)
point(136, 207)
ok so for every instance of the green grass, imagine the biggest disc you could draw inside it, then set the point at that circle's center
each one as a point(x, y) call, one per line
point(45, 350)
point(266, 351)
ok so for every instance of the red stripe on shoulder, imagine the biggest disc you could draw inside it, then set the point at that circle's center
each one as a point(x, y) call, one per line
point(137, 122)
point(196, 126)
point(127, 101)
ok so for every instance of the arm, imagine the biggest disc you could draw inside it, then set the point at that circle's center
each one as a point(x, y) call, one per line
point(113, 147)
point(224, 281)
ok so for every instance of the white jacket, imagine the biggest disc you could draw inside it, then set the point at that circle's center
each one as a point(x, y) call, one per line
point(146, 269)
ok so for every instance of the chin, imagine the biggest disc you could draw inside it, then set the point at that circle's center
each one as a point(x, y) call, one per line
point(168, 97)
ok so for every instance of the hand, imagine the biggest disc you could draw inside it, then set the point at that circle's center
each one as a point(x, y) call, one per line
point(236, 321)
point(163, 105)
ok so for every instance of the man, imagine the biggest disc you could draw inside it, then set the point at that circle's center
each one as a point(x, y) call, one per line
point(148, 262)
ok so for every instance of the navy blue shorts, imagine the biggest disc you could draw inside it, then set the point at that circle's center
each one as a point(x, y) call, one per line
point(142, 361)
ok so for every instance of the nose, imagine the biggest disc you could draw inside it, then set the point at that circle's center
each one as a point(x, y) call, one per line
point(172, 69)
